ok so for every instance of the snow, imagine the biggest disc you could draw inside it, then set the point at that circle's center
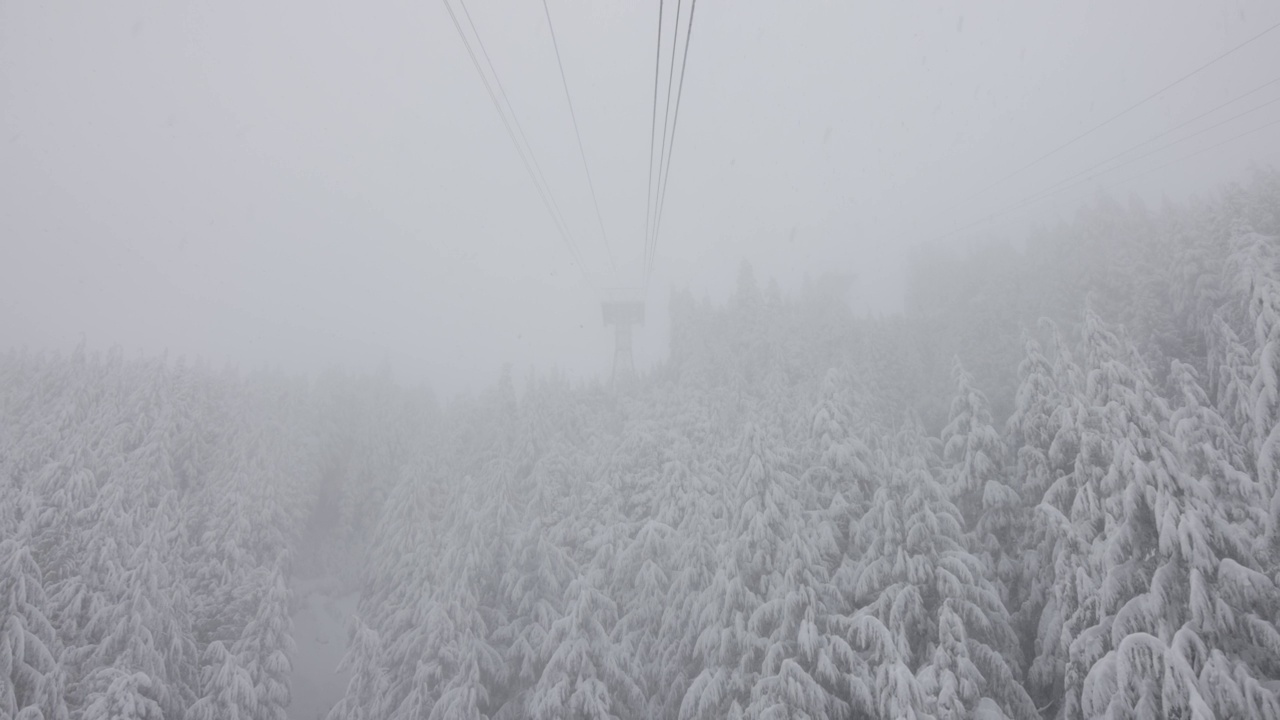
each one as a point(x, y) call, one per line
point(987, 709)
point(803, 516)
point(320, 635)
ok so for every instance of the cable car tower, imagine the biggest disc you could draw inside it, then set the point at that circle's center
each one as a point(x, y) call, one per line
point(623, 308)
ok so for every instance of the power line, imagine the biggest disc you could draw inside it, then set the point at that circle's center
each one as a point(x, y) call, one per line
point(1120, 114)
point(1056, 190)
point(502, 114)
point(662, 149)
point(1215, 146)
point(514, 118)
point(577, 133)
point(1175, 128)
point(664, 165)
point(675, 121)
point(1161, 149)
point(1129, 109)
point(653, 131)
point(1031, 200)
point(544, 193)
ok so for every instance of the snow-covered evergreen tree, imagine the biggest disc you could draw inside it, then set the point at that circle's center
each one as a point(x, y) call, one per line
point(366, 689)
point(227, 688)
point(121, 695)
point(587, 676)
point(30, 675)
point(1189, 618)
point(265, 646)
point(974, 454)
point(765, 512)
point(929, 615)
point(738, 534)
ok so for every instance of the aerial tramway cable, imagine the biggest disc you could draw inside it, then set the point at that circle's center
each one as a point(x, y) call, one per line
point(675, 121)
point(1118, 115)
point(515, 119)
point(653, 131)
point(1056, 189)
point(1173, 129)
point(657, 186)
point(664, 156)
point(1127, 110)
point(1188, 156)
point(581, 150)
point(662, 148)
point(530, 161)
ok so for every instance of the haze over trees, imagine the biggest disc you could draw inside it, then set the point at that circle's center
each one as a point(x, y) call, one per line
point(1050, 488)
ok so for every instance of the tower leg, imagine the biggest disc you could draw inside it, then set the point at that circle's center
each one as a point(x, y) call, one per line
point(624, 368)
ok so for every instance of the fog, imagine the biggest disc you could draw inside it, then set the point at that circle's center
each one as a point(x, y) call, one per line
point(639, 361)
point(308, 184)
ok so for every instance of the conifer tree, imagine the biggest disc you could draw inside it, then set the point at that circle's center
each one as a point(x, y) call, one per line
point(807, 665)
point(364, 698)
point(840, 460)
point(974, 454)
point(937, 633)
point(696, 548)
point(1231, 373)
point(766, 514)
point(1211, 452)
point(30, 676)
point(1032, 426)
point(534, 588)
point(1184, 615)
point(587, 675)
point(227, 688)
point(265, 645)
point(643, 580)
point(121, 695)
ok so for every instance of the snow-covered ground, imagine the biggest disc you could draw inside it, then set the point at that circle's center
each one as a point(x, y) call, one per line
point(322, 612)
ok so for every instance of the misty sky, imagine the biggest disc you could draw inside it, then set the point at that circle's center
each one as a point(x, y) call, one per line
point(304, 184)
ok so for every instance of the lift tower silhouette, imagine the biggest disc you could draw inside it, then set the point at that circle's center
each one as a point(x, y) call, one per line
point(623, 310)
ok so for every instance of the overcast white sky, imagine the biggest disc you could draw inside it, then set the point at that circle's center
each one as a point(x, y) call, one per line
point(306, 184)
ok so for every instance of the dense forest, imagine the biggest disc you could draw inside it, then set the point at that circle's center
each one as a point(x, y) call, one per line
point(1049, 488)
